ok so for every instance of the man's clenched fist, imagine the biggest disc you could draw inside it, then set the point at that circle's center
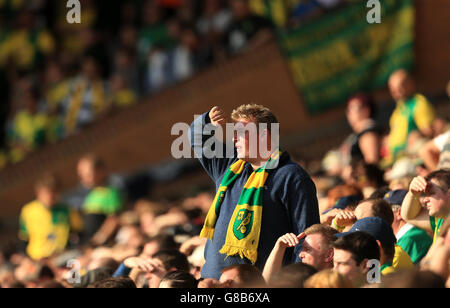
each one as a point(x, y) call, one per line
point(217, 116)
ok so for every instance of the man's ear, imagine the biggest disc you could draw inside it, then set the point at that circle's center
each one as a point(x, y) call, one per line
point(329, 256)
point(363, 266)
point(379, 244)
point(398, 214)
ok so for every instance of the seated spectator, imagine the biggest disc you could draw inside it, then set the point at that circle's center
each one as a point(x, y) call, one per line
point(156, 267)
point(436, 189)
point(189, 55)
point(292, 276)
point(367, 208)
point(413, 112)
point(101, 204)
point(26, 43)
point(125, 63)
point(158, 74)
point(56, 90)
point(341, 191)
point(316, 249)
point(178, 279)
point(392, 257)
point(246, 31)
point(436, 152)
point(122, 95)
point(154, 31)
point(114, 283)
point(368, 177)
point(158, 243)
point(87, 98)
point(45, 224)
point(242, 276)
point(343, 205)
point(401, 173)
point(352, 252)
point(329, 279)
point(29, 128)
point(414, 241)
point(194, 249)
point(107, 263)
point(236, 276)
point(365, 141)
point(375, 208)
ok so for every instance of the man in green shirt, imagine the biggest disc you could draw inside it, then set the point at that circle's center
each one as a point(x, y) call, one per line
point(101, 205)
point(414, 241)
point(434, 192)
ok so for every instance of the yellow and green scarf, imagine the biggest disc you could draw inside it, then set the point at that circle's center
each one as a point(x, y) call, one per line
point(245, 225)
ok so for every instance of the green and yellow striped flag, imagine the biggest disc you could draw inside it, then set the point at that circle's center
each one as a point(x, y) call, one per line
point(342, 53)
point(245, 225)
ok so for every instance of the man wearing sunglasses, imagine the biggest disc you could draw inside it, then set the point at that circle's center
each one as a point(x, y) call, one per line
point(434, 193)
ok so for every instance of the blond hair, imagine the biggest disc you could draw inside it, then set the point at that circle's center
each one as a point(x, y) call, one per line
point(329, 279)
point(256, 113)
point(327, 232)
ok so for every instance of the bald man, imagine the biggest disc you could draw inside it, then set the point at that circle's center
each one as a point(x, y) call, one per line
point(413, 112)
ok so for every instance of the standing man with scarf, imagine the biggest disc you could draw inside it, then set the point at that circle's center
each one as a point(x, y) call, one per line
point(259, 197)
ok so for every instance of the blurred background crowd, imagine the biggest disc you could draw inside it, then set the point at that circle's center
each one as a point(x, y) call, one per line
point(57, 78)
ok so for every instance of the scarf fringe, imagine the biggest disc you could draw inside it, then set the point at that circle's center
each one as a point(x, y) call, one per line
point(251, 255)
point(207, 232)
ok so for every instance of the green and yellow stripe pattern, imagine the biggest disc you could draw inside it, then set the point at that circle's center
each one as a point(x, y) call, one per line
point(245, 225)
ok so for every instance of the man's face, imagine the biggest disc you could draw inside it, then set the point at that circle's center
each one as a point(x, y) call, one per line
point(356, 111)
point(47, 196)
point(245, 141)
point(346, 265)
point(437, 200)
point(86, 173)
point(400, 86)
point(315, 252)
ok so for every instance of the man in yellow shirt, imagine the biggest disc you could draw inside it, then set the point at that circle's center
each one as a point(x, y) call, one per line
point(413, 112)
point(29, 127)
point(44, 224)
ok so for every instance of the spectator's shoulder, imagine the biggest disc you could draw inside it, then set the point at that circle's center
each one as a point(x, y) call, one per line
point(292, 172)
point(30, 206)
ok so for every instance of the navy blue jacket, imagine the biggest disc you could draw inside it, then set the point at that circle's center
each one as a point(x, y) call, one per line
point(289, 205)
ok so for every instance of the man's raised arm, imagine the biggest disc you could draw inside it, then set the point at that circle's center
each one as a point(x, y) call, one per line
point(207, 135)
point(412, 211)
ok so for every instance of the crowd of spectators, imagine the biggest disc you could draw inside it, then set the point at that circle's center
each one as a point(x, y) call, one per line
point(57, 77)
point(380, 227)
point(384, 199)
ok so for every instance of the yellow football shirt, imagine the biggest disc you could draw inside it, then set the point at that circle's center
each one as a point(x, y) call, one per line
point(46, 230)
